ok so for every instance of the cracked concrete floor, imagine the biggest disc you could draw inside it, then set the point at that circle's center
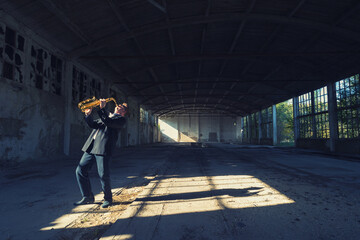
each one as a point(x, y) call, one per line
point(220, 192)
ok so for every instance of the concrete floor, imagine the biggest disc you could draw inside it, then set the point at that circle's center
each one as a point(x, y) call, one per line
point(164, 191)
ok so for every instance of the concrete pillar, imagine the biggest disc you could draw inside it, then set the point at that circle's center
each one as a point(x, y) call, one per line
point(67, 86)
point(267, 125)
point(296, 119)
point(219, 128)
point(27, 62)
point(178, 129)
point(199, 136)
point(313, 114)
point(242, 129)
point(125, 129)
point(275, 140)
point(138, 124)
point(333, 122)
point(249, 128)
point(259, 126)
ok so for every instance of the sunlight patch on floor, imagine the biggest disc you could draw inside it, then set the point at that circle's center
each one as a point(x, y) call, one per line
point(76, 213)
point(202, 194)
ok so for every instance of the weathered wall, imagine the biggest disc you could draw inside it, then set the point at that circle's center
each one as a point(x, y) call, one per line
point(348, 145)
point(133, 122)
point(308, 143)
point(227, 129)
point(39, 92)
point(169, 129)
point(341, 145)
point(31, 124)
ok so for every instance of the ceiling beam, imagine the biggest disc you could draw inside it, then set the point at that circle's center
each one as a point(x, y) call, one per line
point(123, 23)
point(114, 40)
point(229, 102)
point(157, 5)
point(165, 110)
point(262, 50)
point(233, 44)
point(62, 16)
point(202, 44)
point(59, 13)
point(222, 80)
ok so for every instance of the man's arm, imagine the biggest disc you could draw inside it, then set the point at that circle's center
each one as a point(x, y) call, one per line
point(110, 122)
point(89, 120)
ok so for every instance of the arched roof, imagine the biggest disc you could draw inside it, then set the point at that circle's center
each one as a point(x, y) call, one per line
point(178, 56)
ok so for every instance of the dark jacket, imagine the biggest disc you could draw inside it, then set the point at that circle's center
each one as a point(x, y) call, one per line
point(106, 137)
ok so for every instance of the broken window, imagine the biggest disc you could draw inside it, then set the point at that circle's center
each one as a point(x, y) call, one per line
point(45, 67)
point(12, 53)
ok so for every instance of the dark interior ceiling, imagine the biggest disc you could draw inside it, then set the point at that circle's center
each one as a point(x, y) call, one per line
point(231, 57)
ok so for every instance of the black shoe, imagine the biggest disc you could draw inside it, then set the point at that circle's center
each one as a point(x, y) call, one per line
point(106, 204)
point(85, 200)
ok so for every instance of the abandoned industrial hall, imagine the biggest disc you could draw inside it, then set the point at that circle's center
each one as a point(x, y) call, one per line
point(236, 119)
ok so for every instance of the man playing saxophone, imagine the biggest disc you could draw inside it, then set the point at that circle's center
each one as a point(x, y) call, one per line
point(99, 148)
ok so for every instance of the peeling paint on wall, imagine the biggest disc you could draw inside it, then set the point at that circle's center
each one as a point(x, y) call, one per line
point(12, 128)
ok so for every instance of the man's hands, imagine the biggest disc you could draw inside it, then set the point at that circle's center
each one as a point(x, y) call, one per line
point(88, 111)
point(102, 103)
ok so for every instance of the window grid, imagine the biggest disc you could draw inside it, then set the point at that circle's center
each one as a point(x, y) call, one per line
point(322, 125)
point(321, 100)
point(306, 125)
point(348, 109)
point(305, 107)
point(305, 117)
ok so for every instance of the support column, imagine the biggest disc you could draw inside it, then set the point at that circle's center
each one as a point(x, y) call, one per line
point(67, 86)
point(138, 124)
point(126, 128)
point(199, 136)
point(260, 130)
point(296, 119)
point(27, 63)
point(333, 123)
point(178, 128)
point(249, 128)
point(313, 114)
point(275, 140)
point(242, 130)
point(219, 129)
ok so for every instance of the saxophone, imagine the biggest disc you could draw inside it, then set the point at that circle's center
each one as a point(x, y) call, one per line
point(92, 102)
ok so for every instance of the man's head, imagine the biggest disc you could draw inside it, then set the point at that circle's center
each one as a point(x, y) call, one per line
point(121, 109)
